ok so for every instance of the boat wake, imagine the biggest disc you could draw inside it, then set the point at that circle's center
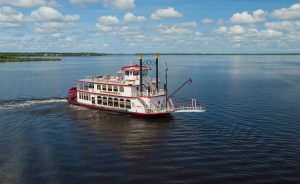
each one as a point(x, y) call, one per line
point(11, 105)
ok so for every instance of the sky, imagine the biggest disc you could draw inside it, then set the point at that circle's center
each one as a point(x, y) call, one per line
point(165, 26)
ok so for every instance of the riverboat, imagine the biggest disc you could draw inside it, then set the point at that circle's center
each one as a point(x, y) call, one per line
point(129, 91)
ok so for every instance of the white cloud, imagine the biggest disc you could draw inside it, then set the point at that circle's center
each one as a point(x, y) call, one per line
point(270, 33)
point(103, 28)
point(49, 27)
point(10, 17)
point(50, 20)
point(166, 13)
point(108, 20)
point(246, 18)
point(123, 4)
point(206, 21)
point(56, 35)
point(173, 29)
point(109, 23)
point(290, 25)
point(130, 17)
point(237, 29)
point(187, 24)
point(292, 12)
point(47, 14)
point(183, 29)
point(72, 18)
point(105, 23)
point(29, 3)
point(222, 30)
point(115, 4)
point(197, 33)
point(127, 31)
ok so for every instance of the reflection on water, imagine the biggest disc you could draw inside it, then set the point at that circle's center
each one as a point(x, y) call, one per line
point(131, 130)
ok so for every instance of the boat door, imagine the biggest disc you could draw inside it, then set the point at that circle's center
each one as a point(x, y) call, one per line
point(93, 100)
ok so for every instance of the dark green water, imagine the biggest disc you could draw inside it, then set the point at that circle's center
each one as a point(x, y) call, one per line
point(249, 134)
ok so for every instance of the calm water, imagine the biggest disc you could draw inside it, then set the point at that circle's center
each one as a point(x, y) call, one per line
point(249, 134)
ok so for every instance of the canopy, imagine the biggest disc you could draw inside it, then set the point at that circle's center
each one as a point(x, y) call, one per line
point(135, 68)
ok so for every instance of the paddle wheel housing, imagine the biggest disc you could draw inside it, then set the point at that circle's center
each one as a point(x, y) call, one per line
point(72, 95)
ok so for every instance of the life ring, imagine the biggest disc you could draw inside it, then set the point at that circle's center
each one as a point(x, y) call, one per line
point(137, 78)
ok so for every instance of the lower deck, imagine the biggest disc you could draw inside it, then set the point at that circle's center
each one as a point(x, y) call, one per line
point(119, 110)
point(139, 105)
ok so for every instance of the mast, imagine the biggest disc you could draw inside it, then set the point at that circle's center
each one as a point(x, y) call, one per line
point(156, 64)
point(141, 70)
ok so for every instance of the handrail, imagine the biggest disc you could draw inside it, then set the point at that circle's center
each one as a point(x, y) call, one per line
point(142, 102)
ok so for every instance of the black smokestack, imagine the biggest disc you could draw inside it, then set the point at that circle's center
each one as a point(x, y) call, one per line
point(141, 70)
point(156, 65)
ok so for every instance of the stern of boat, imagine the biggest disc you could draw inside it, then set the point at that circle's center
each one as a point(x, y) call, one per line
point(72, 95)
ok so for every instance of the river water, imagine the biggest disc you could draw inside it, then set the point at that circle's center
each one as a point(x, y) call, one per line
point(250, 132)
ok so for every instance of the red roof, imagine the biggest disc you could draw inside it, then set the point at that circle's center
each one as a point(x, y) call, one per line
point(135, 68)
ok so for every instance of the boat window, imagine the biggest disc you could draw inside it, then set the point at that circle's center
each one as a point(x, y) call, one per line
point(135, 73)
point(104, 87)
point(104, 100)
point(116, 102)
point(99, 100)
point(122, 105)
point(115, 88)
point(128, 104)
point(126, 72)
point(99, 87)
point(109, 88)
point(110, 102)
point(158, 102)
point(121, 88)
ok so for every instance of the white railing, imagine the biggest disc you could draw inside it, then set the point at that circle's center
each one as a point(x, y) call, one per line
point(109, 79)
point(156, 93)
point(190, 107)
point(197, 108)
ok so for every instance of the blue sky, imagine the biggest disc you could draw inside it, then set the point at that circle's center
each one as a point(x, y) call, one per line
point(131, 26)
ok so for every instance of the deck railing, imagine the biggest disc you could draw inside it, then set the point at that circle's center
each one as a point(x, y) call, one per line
point(109, 79)
point(155, 93)
point(187, 108)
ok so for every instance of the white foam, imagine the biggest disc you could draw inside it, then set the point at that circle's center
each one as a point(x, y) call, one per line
point(27, 103)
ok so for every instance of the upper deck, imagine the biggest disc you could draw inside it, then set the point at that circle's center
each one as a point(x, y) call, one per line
point(125, 83)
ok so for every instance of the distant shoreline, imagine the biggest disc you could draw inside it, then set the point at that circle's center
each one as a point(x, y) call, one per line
point(39, 56)
point(56, 56)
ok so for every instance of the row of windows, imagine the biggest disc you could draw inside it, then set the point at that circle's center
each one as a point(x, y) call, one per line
point(114, 102)
point(108, 101)
point(132, 73)
point(104, 87)
point(84, 96)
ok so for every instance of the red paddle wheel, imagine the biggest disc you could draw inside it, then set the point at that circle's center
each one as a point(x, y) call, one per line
point(72, 97)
